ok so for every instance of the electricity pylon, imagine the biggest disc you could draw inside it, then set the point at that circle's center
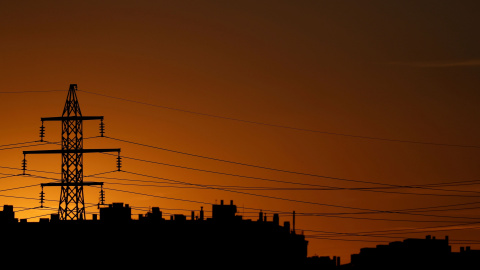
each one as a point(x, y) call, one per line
point(72, 204)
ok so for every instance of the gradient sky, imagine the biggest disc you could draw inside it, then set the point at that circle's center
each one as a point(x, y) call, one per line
point(397, 70)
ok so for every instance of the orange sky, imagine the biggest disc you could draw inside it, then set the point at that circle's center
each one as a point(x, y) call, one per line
point(402, 71)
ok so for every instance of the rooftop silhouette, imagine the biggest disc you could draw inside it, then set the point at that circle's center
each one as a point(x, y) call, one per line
point(414, 253)
point(223, 239)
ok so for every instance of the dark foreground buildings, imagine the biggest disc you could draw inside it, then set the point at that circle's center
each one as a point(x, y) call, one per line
point(426, 253)
point(223, 241)
point(115, 241)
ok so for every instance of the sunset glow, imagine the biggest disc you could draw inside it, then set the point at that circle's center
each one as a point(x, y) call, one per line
point(360, 116)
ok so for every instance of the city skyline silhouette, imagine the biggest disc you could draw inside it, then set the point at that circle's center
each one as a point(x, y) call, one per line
point(360, 117)
point(222, 240)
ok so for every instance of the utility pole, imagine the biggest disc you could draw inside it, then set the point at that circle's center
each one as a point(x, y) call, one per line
point(72, 204)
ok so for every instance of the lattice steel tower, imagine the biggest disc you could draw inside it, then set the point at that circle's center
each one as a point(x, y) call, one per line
point(72, 204)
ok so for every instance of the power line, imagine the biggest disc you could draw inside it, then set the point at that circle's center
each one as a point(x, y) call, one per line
point(15, 188)
point(331, 188)
point(257, 178)
point(8, 176)
point(22, 146)
point(282, 126)
point(265, 188)
point(429, 208)
point(156, 196)
point(18, 169)
point(264, 167)
point(396, 212)
point(36, 91)
point(177, 184)
point(326, 237)
point(305, 202)
point(453, 227)
point(24, 198)
point(362, 218)
point(323, 186)
point(37, 143)
point(456, 183)
point(43, 215)
point(260, 195)
point(11, 144)
point(308, 236)
point(372, 212)
point(256, 122)
point(347, 240)
point(369, 213)
point(326, 188)
point(30, 208)
point(216, 172)
point(265, 196)
point(272, 188)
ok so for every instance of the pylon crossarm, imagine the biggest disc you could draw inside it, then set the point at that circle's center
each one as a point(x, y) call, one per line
point(66, 151)
point(72, 184)
point(60, 118)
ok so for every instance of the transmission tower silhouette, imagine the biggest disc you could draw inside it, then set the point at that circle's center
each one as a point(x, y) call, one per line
point(72, 203)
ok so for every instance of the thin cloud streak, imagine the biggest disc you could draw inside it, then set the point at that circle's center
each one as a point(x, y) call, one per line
point(438, 64)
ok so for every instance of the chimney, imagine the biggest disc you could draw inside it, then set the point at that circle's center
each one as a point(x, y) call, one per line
point(8, 208)
point(286, 225)
point(428, 237)
point(338, 261)
point(462, 249)
point(446, 238)
point(221, 202)
point(260, 216)
point(201, 213)
point(276, 219)
point(467, 248)
point(231, 202)
point(44, 220)
point(265, 217)
point(94, 217)
point(293, 224)
point(54, 217)
point(193, 215)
